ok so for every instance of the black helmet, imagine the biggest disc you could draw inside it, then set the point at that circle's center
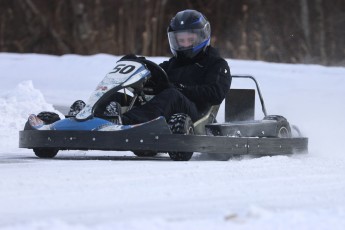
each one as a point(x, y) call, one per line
point(189, 34)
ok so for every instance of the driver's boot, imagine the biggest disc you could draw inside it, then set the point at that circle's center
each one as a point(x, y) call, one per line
point(114, 110)
point(76, 107)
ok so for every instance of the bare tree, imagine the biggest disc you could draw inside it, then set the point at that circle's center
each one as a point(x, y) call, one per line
point(281, 31)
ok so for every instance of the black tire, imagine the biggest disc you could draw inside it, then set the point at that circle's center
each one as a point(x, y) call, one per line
point(283, 127)
point(47, 118)
point(145, 153)
point(45, 153)
point(180, 123)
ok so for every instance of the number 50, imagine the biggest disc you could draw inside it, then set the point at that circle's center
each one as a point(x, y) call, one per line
point(123, 68)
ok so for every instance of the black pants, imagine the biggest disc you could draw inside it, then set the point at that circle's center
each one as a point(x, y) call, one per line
point(166, 103)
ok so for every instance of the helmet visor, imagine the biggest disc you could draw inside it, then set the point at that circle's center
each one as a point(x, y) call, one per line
point(188, 39)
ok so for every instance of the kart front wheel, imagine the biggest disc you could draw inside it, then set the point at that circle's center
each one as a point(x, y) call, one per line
point(47, 118)
point(45, 153)
point(180, 123)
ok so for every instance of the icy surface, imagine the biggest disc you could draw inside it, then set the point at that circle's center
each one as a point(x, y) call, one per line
point(116, 190)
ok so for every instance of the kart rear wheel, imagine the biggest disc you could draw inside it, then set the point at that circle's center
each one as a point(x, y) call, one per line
point(180, 123)
point(145, 153)
point(45, 153)
point(283, 126)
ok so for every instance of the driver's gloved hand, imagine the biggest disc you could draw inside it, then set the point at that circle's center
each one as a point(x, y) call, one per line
point(131, 56)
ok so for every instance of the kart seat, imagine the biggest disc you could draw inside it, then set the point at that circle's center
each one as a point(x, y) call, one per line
point(208, 117)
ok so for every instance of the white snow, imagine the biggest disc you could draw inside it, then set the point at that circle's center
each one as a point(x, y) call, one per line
point(115, 190)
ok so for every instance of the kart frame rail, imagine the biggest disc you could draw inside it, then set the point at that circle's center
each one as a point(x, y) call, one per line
point(142, 138)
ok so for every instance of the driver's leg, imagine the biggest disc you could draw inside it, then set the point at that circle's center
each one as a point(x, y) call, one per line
point(166, 103)
point(121, 98)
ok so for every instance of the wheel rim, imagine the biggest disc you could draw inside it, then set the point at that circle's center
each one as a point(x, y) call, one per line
point(283, 132)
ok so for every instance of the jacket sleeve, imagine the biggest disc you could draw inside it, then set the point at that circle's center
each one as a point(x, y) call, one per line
point(217, 83)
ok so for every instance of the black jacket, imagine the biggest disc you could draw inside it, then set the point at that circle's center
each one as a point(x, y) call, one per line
point(205, 81)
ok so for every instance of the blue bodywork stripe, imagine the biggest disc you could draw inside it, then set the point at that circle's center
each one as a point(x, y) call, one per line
point(93, 124)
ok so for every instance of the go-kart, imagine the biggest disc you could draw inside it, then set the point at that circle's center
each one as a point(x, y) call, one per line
point(46, 133)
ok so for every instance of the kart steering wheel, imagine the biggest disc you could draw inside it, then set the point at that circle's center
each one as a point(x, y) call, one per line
point(158, 81)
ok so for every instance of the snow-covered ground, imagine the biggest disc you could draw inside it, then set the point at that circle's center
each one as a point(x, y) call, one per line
point(115, 190)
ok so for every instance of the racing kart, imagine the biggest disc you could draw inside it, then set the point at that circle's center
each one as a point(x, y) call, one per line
point(240, 134)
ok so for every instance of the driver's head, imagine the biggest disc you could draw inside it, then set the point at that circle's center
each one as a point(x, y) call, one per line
point(189, 34)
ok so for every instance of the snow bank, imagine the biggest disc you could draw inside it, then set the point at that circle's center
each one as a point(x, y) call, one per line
point(15, 107)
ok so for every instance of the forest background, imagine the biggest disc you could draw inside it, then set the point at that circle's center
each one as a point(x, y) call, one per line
point(290, 31)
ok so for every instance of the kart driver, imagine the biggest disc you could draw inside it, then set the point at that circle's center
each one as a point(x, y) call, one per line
point(199, 77)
